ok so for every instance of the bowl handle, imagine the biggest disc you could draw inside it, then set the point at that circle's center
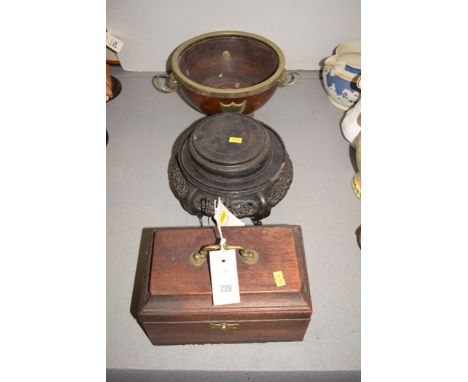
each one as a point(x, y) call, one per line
point(172, 86)
point(289, 78)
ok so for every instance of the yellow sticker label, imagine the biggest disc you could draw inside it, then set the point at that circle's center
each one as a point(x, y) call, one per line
point(223, 216)
point(235, 140)
point(279, 279)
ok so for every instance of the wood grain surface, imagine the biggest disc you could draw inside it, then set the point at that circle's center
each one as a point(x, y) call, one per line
point(176, 303)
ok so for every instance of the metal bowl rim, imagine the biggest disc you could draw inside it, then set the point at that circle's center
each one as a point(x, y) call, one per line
point(228, 93)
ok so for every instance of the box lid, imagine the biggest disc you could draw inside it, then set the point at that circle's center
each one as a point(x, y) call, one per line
point(175, 290)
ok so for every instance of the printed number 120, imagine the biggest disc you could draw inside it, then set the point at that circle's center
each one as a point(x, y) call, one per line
point(226, 288)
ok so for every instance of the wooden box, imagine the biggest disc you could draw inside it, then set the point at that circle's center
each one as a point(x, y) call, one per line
point(175, 305)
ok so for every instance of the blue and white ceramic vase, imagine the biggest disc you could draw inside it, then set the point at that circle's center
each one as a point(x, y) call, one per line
point(340, 73)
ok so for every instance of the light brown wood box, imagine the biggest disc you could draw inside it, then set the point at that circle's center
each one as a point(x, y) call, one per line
point(176, 306)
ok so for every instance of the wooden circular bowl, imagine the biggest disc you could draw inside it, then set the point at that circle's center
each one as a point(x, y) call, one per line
point(226, 72)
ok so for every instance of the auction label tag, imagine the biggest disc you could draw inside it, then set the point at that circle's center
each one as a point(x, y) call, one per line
point(224, 280)
point(224, 217)
point(113, 43)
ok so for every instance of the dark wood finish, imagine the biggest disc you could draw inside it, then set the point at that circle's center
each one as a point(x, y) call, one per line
point(211, 149)
point(248, 331)
point(176, 302)
point(251, 177)
point(116, 87)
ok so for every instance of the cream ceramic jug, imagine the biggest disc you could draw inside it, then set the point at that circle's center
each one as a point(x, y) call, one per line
point(340, 73)
point(351, 124)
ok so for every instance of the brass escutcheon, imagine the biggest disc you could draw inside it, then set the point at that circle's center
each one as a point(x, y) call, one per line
point(198, 258)
point(232, 107)
point(224, 326)
point(249, 256)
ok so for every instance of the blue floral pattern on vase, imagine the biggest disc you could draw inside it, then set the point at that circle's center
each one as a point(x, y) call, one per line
point(340, 74)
